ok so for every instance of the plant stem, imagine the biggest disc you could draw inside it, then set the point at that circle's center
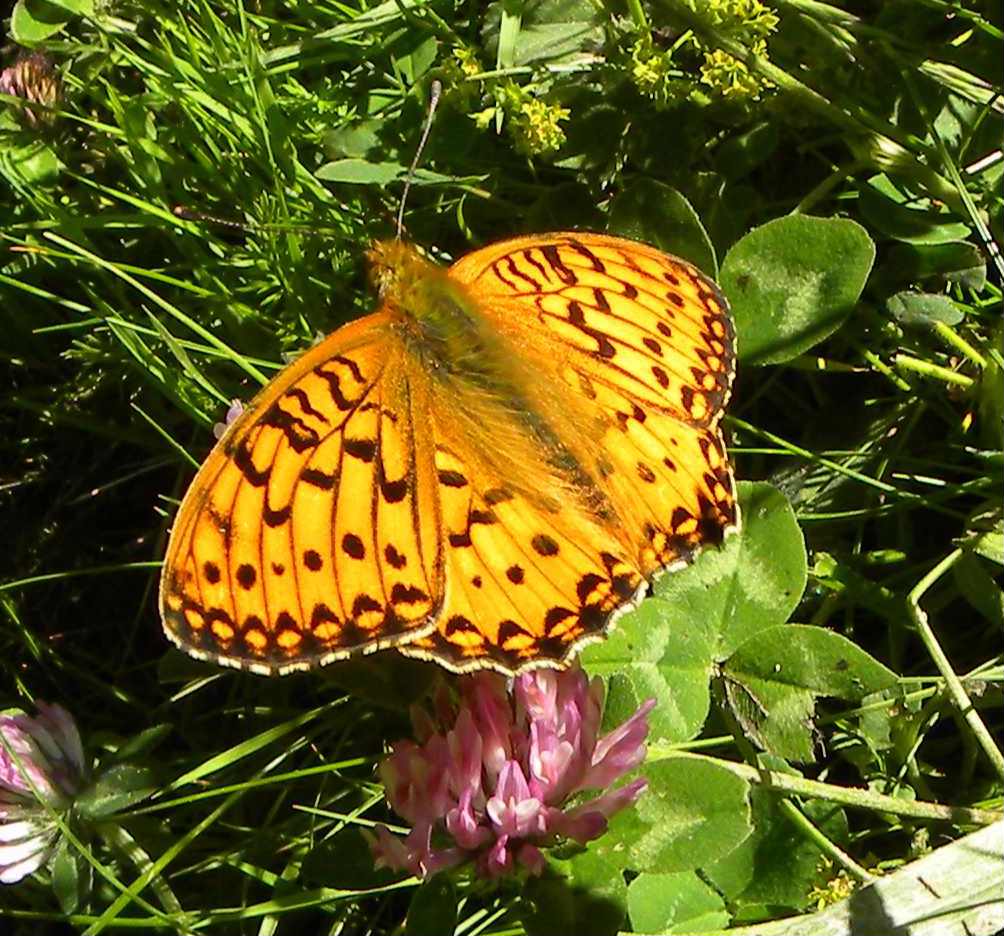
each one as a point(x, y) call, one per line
point(638, 17)
point(872, 358)
point(955, 688)
point(824, 844)
point(959, 343)
point(855, 797)
point(927, 369)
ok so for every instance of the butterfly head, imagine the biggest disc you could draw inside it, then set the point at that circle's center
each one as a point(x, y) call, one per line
point(436, 310)
point(395, 269)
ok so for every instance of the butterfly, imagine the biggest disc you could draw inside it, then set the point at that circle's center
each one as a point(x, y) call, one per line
point(485, 472)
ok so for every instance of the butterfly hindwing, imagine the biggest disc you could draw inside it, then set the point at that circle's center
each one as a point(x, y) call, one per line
point(530, 578)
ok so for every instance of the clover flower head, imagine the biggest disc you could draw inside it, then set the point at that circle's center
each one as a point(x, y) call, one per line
point(42, 769)
point(505, 773)
point(33, 78)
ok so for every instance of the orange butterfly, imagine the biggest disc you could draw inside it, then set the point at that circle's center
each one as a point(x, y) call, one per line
point(484, 472)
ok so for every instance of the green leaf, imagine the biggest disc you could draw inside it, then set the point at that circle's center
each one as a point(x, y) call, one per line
point(357, 140)
point(985, 533)
point(66, 877)
point(34, 21)
point(912, 262)
point(652, 212)
point(693, 813)
point(120, 786)
point(143, 742)
point(548, 31)
point(741, 154)
point(354, 171)
point(509, 26)
point(76, 7)
point(978, 587)
point(807, 657)
point(886, 208)
point(923, 309)
point(667, 648)
point(585, 895)
point(418, 59)
point(755, 580)
point(674, 903)
point(32, 164)
point(663, 651)
point(777, 864)
point(793, 282)
point(773, 679)
point(433, 908)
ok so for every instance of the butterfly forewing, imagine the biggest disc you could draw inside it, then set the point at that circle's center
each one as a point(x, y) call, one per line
point(305, 536)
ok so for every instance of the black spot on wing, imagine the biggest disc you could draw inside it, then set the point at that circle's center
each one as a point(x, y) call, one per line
point(246, 576)
point(544, 545)
point(363, 449)
point(452, 479)
point(319, 479)
point(353, 546)
point(394, 558)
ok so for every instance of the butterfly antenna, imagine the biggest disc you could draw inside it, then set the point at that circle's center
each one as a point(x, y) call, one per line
point(435, 90)
point(253, 227)
point(187, 214)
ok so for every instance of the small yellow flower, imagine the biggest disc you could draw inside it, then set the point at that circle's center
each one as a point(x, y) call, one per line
point(535, 127)
point(730, 77)
point(743, 18)
point(654, 74)
point(457, 74)
point(839, 887)
point(467, 60)
point(483, 119)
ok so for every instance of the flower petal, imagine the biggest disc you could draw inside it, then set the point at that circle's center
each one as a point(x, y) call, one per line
point(18, 831)
point(12, 873)
point(17, 853)
point(23, 766)
point(531, 857)
point(465, 746)
point(463, 825)
point(497, 860)
point(621, 750)
point(489, 705)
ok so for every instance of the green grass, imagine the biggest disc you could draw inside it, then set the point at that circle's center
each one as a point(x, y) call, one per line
point(127, 329)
